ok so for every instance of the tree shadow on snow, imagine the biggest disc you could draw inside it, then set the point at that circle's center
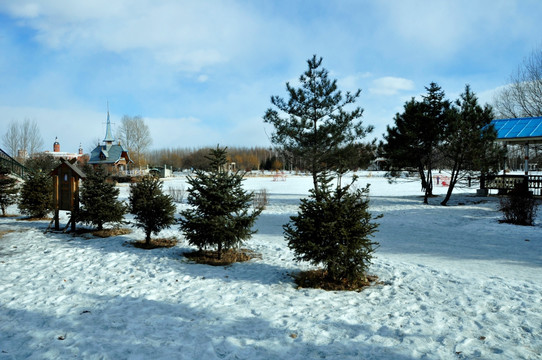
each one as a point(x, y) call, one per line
point(117, 327)
point(463, 232)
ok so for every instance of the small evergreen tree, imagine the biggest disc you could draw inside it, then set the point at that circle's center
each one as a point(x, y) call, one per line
point(152, 209)
point(221, 215)
point(36, 198)
point(8, 189)
point(99, 200)
point(41, 162)
point(332, 228)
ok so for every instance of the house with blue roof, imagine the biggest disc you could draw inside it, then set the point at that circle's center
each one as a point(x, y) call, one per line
point(113, 156)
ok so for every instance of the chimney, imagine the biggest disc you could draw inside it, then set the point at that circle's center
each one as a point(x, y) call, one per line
point(56, 145)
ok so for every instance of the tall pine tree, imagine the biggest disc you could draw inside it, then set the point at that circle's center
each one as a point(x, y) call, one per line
point(315, 123)
point(222, 216)
point(8, 189)
point(417, 134)
point(99, 200)
point(469, 140)
point(153, 210)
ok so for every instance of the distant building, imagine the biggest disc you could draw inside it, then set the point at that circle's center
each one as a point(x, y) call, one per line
point(114, 157)
point(56, 153)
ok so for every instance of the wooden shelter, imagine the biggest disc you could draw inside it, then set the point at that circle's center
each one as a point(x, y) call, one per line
point(66, 178)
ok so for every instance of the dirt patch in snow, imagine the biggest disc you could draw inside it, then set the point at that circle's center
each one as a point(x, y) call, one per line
point(4, 232)
point(104, 233)
point(318, 279)
point(156, 243)
point(210, 257)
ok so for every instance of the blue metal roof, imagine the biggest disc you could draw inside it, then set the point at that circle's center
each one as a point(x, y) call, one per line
point(520, 128)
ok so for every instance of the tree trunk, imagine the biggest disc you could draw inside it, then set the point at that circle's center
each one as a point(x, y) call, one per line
point(428, 187)
point(422, 176)
point(453, 180)
point(147, 238)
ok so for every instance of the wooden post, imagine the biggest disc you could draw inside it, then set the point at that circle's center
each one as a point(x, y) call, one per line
point(55, 201)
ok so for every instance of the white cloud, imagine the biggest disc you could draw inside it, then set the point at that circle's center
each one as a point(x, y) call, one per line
point(189, 35)
point(352, 82)
point(390, 85)
point(203, 78)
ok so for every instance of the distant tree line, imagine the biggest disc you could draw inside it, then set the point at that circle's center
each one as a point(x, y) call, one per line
point(251, 158)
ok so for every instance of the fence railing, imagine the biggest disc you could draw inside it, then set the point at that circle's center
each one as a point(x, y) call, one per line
point(11, 164)
point(505, 183)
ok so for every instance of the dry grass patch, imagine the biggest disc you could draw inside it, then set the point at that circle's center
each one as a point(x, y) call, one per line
point(210, 257)
point(318, 279)
point(156, 243)
point(104, 233)
point(35, 219)
point(4, 232)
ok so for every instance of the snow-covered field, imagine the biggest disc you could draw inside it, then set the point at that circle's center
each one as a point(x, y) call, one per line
point(457, 285)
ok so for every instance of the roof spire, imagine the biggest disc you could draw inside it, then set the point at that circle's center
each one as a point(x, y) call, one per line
point(108, 134)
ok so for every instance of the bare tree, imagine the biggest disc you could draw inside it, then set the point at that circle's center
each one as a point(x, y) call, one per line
point(135, 135)
point(23, 136)
point(522, 97)
point(31, 139)
point(10, 140)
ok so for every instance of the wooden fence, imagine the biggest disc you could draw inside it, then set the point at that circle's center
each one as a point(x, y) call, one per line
point(505, 183)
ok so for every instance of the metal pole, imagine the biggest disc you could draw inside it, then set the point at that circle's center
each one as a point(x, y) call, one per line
point(526, 147)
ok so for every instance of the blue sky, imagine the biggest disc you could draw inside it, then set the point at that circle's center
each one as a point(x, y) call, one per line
point(202, 72)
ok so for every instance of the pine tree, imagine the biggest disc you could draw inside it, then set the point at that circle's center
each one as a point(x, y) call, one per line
point(417, 134)
point(469, 140)
point(332, 228)
point(99, 200)
point(36, 199)
point(318, 125)
point(153, 210)
point(8, 189)
point(221, 216)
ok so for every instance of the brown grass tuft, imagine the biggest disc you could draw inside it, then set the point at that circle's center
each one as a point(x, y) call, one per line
point(156, 243)
point(104, 233)
point(210, 257)
point(34, 219)
point(318, 279)
point(4, 232)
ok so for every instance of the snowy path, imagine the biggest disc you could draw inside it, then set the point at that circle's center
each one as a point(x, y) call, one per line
point(458, 285)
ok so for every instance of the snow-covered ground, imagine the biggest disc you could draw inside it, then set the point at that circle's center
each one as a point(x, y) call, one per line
point(457, 285)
